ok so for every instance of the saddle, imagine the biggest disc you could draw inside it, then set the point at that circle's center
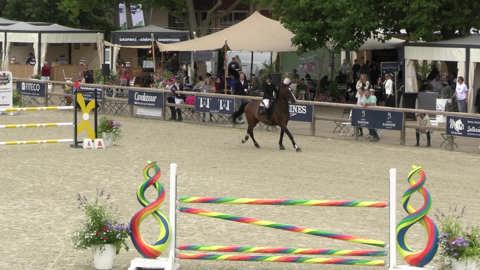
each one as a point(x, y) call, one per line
point(262, 110)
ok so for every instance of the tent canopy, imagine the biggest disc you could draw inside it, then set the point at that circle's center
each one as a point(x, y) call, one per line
point(375, 44)
point(143, 36)
point(4, 21)
point(255, 33)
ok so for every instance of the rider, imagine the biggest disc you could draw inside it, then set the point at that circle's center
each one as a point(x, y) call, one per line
point(269, 95)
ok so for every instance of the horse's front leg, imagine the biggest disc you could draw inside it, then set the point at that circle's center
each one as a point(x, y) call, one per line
point(280, 142)
point(295, 146)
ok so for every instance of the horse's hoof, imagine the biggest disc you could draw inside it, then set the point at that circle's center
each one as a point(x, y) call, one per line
point(282, 147)
point(257, 145)
point(298, 149)
point(243, 141)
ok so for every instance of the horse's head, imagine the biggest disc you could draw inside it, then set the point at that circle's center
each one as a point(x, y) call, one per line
point(286, 94)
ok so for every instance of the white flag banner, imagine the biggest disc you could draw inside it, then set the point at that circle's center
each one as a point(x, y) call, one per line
point(137, 15)
point(122, 16)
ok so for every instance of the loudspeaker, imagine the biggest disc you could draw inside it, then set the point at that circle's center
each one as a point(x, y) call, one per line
point(105, 69)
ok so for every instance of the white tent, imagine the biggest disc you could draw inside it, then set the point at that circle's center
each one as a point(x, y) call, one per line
point(42, 35)
point(255, 33)
point(375, 44)
point(465, 51)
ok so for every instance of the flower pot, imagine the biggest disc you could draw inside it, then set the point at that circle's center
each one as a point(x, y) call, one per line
point(464, 264)
point(103, 256)
point(107, 139)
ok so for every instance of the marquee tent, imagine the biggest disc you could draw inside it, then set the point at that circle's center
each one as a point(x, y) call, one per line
point(141, 38)
point(40, 36)
point(465, 51)
point(255, 33)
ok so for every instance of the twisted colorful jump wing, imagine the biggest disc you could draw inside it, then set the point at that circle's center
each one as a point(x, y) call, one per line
point(285, 250)
point(228, 200)
point(147, 250)
point(280, 226)
point(423, 257)
point(284, 259)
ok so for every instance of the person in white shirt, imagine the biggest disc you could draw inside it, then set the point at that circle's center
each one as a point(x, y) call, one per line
point(388, 85)
point(461, 93)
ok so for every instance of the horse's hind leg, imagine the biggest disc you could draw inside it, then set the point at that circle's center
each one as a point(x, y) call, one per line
point(250, 132)
point(280, 142)
point(297, 148)
point(244, 140)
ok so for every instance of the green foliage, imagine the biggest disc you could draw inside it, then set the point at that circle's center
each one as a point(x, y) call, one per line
point(17, 98)
point(456, 241)
point(110, 126)
point(100, 226)
point(348, 23)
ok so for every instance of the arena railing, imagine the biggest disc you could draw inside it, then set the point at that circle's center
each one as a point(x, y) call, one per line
point(115, 101)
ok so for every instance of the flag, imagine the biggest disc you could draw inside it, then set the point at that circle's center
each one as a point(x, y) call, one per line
point(122, 16)
point(137, 15)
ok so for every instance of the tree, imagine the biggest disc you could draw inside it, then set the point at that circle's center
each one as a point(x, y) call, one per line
point(346, 24)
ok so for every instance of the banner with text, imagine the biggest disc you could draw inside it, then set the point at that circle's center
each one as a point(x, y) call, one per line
point(34, 89)
point(145, 99)
point(299, 112)
point(462, 126)
point(6, 89)
point(89, 94)
point(214, 104)
point(377, 119)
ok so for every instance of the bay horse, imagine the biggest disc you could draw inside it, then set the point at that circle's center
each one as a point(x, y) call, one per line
point(278, 116)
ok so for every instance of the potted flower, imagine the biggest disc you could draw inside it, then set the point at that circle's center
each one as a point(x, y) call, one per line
point(100, 231)
point(459, 244)
point(110, 130)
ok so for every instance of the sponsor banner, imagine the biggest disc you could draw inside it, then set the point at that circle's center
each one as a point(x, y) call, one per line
point(462, 126)
point(377, 119)
point(145, 99)
point(89, 93)
point(34, 89)
point(6, 89)
point(300, 112)
point(214, 104)
point(389, 67)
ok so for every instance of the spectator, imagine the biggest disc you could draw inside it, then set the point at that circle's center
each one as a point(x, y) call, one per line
point(208, 87)
point(301, 89)
point(389, 94)
point(362, 85)
point(243, 84)
point(446, 90)
point(46, 71)
point(423, 122)
point(234, 68)
point(311, 87)
point(199, 85)
point(344, 70)
point(367, 100)
point(379, 90)
point(31, 60)
point(356, 70)
point(461, 93)
point(219, 84)
point(174, 85)
point(323, 84)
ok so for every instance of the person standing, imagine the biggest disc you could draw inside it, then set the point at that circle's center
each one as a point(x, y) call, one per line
point(423, 122)
point(389, 95)
point(368, 100)
point(234, 68)
point(461, 93)
point(46, 70)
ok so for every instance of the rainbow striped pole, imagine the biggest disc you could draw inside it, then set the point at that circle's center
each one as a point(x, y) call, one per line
point(284, 259)
point(285, 250)
point(36, 125)
point(280, 226)
point(230, 200)
point(37, 142)
point(32, 109)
